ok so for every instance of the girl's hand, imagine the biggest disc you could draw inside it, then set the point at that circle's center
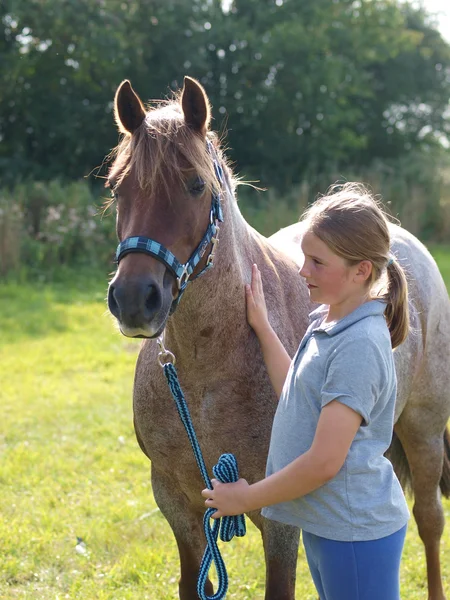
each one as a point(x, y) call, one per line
point(228, 498)
point(256, 303)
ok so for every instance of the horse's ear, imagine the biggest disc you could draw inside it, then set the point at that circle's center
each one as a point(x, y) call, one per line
point(128, 108)
point(195, 105)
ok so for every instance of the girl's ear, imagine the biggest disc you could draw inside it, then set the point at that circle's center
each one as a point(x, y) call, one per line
point(364, 271)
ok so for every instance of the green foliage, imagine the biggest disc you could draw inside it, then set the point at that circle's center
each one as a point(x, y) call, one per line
point(413, 189)
point(47, 225)
point(11, 219)
point(313, 92)
point(304, 85)
point(71, 466)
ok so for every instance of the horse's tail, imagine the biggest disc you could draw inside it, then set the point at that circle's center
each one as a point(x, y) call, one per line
point(397, 456)
point(445, 479)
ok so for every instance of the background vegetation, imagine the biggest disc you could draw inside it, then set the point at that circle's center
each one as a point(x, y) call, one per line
point(308, 91)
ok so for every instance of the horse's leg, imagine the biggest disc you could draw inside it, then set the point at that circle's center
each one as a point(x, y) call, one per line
point(187, 526)
point(280, 549)
point(425, 454)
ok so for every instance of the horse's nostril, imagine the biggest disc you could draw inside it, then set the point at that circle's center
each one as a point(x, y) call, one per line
point(134, 303)
point(113, 305)
point(153, 301)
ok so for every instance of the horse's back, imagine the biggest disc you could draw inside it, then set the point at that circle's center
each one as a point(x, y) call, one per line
point(288, 241)
point(425, 284)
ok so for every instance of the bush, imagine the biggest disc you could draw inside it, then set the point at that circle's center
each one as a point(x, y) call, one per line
point(11, 234)
point(46, 225)
point(415, 190)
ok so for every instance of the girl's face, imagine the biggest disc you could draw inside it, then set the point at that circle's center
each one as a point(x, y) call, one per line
point(329, 278)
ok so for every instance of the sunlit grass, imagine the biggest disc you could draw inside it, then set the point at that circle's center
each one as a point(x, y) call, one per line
point(442, 257)
point(71, 468)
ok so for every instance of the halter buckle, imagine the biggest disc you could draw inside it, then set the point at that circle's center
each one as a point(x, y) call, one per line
point(183, 278)
point(214, 242)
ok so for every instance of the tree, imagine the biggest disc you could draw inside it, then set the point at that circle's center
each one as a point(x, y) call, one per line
point(302, 85)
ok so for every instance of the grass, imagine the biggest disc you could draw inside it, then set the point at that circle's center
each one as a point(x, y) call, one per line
point(71, 468)
point(442, 257)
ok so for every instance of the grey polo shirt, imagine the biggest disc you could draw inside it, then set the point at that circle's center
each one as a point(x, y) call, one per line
point(350, 361)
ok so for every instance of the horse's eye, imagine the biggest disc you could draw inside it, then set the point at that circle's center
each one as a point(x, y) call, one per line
point(197, 187)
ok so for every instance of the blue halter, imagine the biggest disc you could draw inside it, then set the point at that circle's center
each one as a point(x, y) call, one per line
point(182, 272)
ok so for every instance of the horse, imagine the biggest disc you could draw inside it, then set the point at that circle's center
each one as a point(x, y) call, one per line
point(169, 169)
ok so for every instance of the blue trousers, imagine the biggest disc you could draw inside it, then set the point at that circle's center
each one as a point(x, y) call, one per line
point(355, 570)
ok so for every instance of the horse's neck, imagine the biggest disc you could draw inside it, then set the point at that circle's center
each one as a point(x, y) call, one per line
point(213, 306)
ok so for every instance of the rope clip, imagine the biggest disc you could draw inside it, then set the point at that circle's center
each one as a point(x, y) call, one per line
point(164, 356)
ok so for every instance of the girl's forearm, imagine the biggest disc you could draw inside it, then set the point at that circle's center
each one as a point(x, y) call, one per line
point(275, 356)
point(302, 476)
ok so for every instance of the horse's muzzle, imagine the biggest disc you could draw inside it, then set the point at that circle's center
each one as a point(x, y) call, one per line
point(140, 306)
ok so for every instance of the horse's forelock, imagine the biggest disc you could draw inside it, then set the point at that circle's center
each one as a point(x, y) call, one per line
point(162, 149)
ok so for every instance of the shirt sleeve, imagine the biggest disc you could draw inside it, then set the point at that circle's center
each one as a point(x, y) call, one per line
point(356, 375)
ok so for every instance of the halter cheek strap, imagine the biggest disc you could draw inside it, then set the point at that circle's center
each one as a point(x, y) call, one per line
point(182, 272)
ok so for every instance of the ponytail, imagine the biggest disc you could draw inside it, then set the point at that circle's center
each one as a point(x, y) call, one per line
point(396, 298)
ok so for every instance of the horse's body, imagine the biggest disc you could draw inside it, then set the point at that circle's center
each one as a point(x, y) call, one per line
point(220, 365)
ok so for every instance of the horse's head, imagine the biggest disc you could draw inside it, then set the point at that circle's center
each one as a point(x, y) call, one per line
point(164, 180)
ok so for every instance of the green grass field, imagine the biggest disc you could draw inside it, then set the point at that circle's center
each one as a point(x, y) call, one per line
point(71, 467)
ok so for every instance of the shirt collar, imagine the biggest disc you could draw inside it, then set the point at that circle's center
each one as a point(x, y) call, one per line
point(368, 309)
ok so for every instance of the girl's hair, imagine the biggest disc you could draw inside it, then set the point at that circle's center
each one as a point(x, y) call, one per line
point(351, 222)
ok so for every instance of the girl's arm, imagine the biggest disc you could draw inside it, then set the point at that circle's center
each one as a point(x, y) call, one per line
point(275, 356)
point(335, 432)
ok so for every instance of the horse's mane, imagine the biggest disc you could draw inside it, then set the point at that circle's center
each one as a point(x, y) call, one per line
point(163, 149)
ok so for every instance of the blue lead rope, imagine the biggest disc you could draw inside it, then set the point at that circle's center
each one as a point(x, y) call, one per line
point(226, 471)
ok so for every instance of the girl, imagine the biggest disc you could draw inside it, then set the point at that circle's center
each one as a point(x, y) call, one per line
point(326, 470)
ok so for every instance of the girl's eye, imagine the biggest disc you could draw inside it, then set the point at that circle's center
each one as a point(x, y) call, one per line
point(316, 262)
point(197, 187)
